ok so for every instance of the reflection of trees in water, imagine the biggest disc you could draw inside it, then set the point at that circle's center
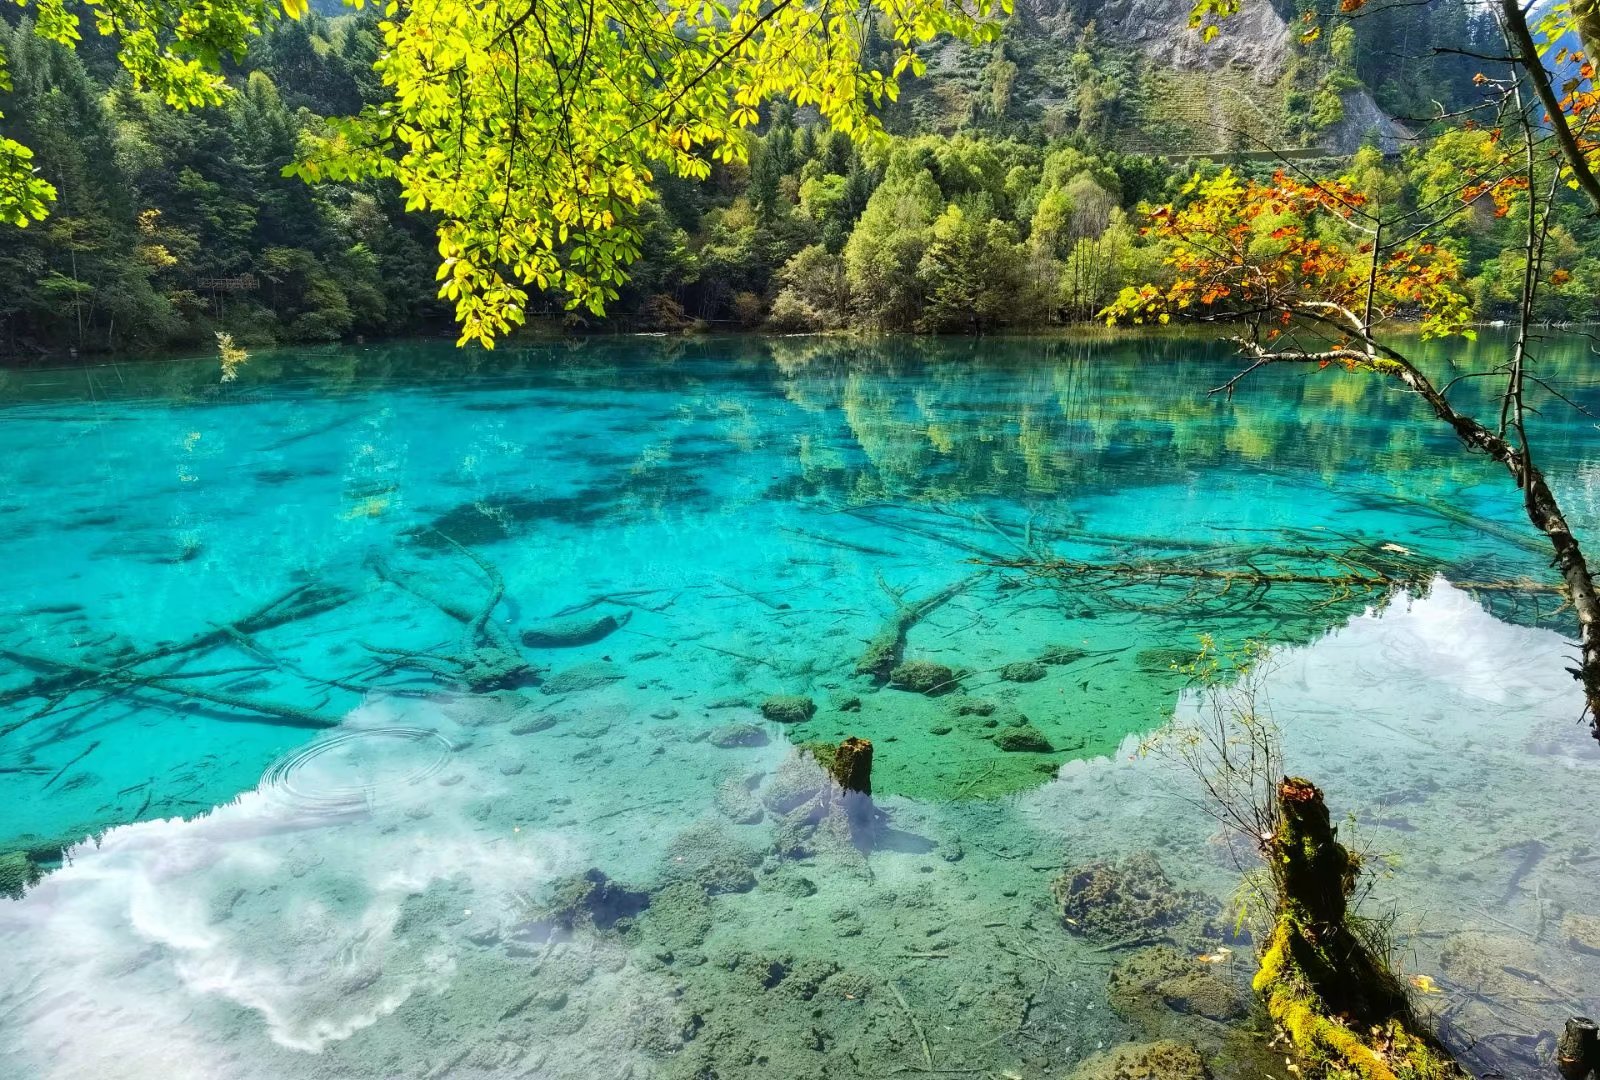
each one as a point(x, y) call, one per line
point(1022, 417)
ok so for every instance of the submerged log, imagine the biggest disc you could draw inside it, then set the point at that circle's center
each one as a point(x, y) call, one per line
point(573, 631)
point(129, 681)
point(1344, 1012)
point(887, 647)
point(299, 602)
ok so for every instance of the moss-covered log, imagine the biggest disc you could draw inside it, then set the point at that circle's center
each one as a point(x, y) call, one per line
point(887, 647)
point(1344, 1011)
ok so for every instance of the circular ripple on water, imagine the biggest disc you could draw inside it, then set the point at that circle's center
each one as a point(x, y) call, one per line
point(355, 770)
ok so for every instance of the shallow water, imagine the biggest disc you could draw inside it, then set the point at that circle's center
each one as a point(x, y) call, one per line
point(247, 893)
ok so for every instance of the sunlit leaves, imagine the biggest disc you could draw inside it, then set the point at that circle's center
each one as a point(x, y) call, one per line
point(1282, 251)
point(24, 195)
point(172, 48)
point(534, 129)
point(1206, 14)
point(537, 131)
point(1577, 95)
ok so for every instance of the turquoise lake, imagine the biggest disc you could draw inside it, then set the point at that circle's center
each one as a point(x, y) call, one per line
point(394, 711)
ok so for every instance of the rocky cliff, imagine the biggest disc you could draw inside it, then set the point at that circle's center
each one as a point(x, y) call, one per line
point(1158, 86)
point(1256, 40)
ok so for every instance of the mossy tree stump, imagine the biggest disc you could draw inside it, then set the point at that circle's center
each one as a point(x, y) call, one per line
point(1578, 1050)
point(851, 770)
point(1346, 1014)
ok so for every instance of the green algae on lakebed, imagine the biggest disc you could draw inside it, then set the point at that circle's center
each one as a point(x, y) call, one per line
point(615, 870)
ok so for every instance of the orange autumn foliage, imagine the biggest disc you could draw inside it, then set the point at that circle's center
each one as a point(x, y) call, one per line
point(1290, 249)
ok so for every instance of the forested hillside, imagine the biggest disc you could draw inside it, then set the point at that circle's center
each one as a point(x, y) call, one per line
point(1008, 196)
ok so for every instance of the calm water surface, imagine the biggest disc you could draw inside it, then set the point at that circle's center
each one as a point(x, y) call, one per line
point(396, 712)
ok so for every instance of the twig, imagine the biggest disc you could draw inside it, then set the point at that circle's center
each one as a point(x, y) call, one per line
point(927, 1050)
point(85, 753)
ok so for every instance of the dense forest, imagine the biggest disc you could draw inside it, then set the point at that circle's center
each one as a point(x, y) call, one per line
point(1009, 194)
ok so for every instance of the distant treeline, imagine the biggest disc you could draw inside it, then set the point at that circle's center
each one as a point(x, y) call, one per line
point(172, 225)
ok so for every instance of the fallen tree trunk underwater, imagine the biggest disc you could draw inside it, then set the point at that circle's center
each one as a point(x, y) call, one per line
point(886, 648)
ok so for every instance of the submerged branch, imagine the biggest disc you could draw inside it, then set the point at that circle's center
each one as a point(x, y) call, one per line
point(887, 646)
point(299, 602)
point(128, 680)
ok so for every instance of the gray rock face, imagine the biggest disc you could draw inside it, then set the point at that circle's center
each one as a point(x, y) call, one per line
point(1362, 119)
point(1255, 40)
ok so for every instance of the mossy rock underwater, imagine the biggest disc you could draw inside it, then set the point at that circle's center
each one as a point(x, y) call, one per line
point(1131, 902)
point(1163, 1060)
point(788, 708)
point(1166, 990)
point(922, 677)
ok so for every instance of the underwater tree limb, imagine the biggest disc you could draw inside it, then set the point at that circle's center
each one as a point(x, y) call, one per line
point(1348, 577)
point(310, 600)
point(479, 624)
point(887, 646)
point(128, 680)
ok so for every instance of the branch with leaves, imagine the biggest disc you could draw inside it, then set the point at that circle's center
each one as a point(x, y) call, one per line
point(537, 133)
point(1307, 270)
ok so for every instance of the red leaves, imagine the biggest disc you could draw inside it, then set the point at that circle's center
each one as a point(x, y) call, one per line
point(1217, 244)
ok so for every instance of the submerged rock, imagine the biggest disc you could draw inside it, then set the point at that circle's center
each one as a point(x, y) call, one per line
point(1023, 671)
point(1022, 738)
point(730, 736)
point(736, 800)
point(1060, 655)
point(1173, 660)
point(962, 705)
point(709, 856)
point(1491, 964)
point(844, 701)
point(497, 707)
point(797, 780)
point(1154, 983)
point(1583, 932)
point(797, 886)
point(573, 631)
point(1128, 902)
point(679, 917)
point(1164, 1060)
point(491, 668)
point(788, 708)
point(528, 725)
point(588, 676)
point(921, 676)
point(587, 899)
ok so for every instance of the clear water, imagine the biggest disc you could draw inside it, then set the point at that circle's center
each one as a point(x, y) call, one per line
point(244, 895)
